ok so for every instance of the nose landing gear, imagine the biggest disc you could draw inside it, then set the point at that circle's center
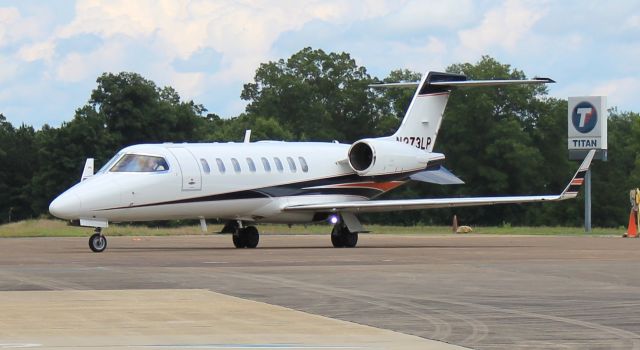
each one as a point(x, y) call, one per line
point(97, 241)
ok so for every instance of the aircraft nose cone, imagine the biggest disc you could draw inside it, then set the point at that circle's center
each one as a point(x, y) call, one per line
point(66, 206)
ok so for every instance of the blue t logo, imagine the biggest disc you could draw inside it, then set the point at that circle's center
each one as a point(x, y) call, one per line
point(584, 117)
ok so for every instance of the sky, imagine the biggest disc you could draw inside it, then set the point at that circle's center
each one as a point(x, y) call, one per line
point(52, 52)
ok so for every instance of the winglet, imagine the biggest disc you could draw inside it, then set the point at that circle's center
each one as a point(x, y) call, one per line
point(571, 191)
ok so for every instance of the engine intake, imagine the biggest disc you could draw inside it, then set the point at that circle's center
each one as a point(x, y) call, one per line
point(361, 156)
point(370, 157)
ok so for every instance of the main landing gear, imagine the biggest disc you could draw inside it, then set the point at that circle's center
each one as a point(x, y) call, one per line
point(341, 237)
point(246, 237)
point(97, 241)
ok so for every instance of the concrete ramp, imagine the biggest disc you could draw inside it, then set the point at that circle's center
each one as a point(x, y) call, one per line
point(178, 319)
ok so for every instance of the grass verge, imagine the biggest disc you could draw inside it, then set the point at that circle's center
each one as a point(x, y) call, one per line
point(59, 228)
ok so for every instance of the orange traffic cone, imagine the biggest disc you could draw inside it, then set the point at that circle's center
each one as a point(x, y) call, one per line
point(632, 230)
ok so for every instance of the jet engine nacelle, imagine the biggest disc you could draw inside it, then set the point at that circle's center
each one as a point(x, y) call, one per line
point(369, 157)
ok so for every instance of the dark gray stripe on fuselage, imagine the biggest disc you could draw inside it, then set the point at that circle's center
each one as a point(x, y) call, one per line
point(290, 190)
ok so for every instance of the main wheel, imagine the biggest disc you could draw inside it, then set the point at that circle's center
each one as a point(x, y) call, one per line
point(337, 237)
point(341, 237)
point(350, 239)
point(246, 237)
point(251, 237)
point(97, 243)
point(238, 239)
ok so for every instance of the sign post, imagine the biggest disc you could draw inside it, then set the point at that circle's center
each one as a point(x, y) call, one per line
point(587, 130)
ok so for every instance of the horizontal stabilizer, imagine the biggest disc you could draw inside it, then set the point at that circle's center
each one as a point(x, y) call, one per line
point(473, 83)
point(440, 176)
point(408, 84)
point(465, 83)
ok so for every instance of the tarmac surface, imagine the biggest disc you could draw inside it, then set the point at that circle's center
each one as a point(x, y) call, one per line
point(480, 292)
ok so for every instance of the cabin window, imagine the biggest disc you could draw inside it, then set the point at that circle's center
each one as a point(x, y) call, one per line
point(221, 166)
point(278, 164)
point(137, 163)
point(292, 164)
point(303, 164)
point(236, 165)
point(265, 163)
point(252, 165)
point(205, 166)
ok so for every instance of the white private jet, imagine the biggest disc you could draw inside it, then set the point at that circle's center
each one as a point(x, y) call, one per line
point(282, 182)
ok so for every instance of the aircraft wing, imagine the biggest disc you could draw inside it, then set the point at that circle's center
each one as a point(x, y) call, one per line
point(571, 191)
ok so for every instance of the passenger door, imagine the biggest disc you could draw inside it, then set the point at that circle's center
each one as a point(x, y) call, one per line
point(191, 175)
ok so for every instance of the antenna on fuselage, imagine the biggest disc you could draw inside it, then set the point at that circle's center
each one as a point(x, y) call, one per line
point(247, 136)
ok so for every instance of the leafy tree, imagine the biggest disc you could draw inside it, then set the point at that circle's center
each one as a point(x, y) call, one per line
point(318, 96)
point(17, 165)
point(507, 140)
point(124, 109)
point(399, 99)
point(612, 180)
point(136, 111)
point(233, 129)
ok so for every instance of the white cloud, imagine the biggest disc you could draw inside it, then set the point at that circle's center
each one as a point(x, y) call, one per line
point(506, 27)
point(15, 27)
point(8, 70)
point(243, 31)
point(633, 22)
point(65, 49)
point(131, 31)
point(38, 51)
point(620, 92)
point(417, 15)
point(76, 67)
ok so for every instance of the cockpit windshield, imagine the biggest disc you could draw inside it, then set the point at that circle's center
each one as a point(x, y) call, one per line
point(140, 164)
point(109, 164)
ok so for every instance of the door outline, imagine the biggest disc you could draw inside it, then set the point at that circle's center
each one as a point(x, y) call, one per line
point(189, 169)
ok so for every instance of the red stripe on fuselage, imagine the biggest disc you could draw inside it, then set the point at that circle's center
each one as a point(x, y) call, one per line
point(381, 186)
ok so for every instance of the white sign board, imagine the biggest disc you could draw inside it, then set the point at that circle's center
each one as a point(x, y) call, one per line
point(587, 123)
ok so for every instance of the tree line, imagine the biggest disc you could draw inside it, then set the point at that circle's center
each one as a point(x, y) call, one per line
point(508, 140)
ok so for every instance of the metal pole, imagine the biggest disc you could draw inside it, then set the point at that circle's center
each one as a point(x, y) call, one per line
point(587, 201)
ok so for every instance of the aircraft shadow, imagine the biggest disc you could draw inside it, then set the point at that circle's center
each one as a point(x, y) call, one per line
point(151, 248)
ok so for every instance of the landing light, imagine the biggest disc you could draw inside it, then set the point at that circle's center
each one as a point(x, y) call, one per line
point(334, 219)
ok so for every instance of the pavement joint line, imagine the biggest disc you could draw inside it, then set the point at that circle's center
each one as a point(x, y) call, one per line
point(634, 338)
point(453, 280)
point(136, 315)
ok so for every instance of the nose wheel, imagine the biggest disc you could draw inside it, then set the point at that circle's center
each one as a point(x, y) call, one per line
point(97, 241)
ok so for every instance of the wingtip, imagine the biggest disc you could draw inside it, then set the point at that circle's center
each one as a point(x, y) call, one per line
point(571, 191)
point(545, 80)
point(586, 163)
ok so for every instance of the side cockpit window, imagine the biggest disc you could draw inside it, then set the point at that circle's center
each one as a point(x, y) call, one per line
point(138, 163)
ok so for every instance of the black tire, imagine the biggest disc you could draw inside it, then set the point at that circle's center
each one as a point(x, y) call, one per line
point(350, 239)
point(337, 238)
point(251, 237)
point(238, 239)
point(97, 243)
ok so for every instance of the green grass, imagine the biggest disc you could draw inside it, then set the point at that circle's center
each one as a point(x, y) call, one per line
point(58, 228)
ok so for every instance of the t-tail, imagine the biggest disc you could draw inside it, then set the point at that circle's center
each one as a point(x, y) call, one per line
point(422, 120)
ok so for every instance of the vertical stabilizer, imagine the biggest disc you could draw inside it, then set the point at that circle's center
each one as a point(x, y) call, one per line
point(422, 121)
point(424, 115)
